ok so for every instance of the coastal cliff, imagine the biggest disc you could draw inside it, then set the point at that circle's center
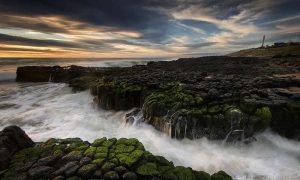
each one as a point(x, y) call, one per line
point(229, 98)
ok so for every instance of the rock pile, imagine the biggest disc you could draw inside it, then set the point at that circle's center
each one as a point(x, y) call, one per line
point(73, 158)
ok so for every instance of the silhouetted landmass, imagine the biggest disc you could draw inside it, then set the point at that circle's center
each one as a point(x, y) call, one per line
point(277, 50)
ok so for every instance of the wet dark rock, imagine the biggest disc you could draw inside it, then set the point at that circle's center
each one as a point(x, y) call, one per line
point(120, 169)
point(40, 172)
point(74, 178)
point(68, 169)
point(111, 175)
point(85, 161)
point(50, 160)
point(87, 170)
point(221, 175)
point(59, 178)
point(72, 156)
point(12, 139)
point(130, 176)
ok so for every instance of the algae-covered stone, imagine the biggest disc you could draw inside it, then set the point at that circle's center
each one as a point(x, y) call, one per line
point(264, 113)
point(102, 150)
point(99, 142)
point(101, 155)
point(97, 173)
point(130, 176)
point(67, 169)
point(184, 173)
point(111, 175)
point(58, 153)
point(120, 169)
point(113, 159)
point(40, 172)
point(82, 147)
point(148, 169)
point(201, 175)
point(74, 178)
point(72, 156)
point(85, 160)
point(163, 161)
point(264, 116)
point(109, 142)
point(124, 148)
point(221, 175)
point(59, 178)
point(98, 161)
point(71, 140)
point(108, 166)
point(129, 160)
point(87, 170)
point(111, 155)
point(90, 151)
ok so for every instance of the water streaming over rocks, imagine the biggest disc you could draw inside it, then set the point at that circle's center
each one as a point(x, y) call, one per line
point(47, 110)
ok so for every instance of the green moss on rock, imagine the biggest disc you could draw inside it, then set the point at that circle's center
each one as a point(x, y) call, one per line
point(99, 142)
point(184, 173)
point(109, 160)
point(124, 148)
point(148, 169)
point(130, 159)
point(87, 170)
point(170, 97)
point(90, 151)
point(264, 114)
point(98, 161)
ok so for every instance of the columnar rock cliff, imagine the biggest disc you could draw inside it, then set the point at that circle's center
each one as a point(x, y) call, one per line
point(216, 97)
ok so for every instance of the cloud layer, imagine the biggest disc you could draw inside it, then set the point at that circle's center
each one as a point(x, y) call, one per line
point(148, 28)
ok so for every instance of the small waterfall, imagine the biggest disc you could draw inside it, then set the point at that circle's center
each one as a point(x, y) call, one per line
point(50, 78)
point(235, 121)
point(167, 127)
point(133, 118)
point(185, 128)
point(228, 134)
point(138, 118)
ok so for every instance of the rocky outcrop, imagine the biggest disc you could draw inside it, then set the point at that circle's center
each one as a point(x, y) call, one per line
point(12, 139)
point(215, 97)
point(105, 158)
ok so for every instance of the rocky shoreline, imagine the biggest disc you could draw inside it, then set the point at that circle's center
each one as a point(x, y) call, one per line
point(74, 159)
point(219, 97)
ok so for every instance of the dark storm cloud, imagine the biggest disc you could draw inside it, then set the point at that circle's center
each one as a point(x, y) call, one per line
point(7, 39)
point(132, 15)
point(83, 46)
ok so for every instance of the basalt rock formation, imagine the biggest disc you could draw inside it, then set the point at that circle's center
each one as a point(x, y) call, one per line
point(219, 97)
point(73, 158)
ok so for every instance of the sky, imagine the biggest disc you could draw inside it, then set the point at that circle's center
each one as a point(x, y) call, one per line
point(142, 28)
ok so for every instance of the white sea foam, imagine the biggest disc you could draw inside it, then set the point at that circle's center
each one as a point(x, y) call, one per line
point(51, 110)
